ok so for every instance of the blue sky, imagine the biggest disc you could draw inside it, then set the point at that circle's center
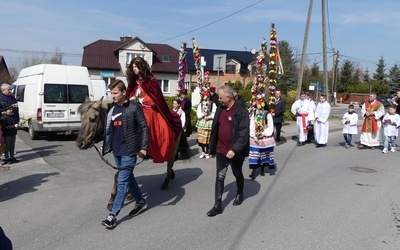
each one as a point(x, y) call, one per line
point(362, 30)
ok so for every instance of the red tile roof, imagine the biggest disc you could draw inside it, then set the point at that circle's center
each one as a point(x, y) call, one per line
point(159, 51)
point(103, 54)
point(100, 55)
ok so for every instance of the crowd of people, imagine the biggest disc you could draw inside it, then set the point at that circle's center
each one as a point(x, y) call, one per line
point(378, 128)
point(140, 123)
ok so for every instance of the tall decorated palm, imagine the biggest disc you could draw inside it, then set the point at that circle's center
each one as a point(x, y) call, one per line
point(274, 67)
point(258, 90)
point(203, 84)
point(182, 67)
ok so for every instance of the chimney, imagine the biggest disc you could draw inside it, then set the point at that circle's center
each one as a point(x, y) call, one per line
point(124, 38)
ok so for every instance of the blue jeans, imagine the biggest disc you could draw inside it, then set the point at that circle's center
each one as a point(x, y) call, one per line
point(348, 138)
point(390, 140)
point(126, 180)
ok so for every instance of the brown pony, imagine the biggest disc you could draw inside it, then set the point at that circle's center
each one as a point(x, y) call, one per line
point(93, 115)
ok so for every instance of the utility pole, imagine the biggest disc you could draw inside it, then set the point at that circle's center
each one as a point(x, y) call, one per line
point(303, 54)
point(334, 74)
point(324, 48)
point(333, 77)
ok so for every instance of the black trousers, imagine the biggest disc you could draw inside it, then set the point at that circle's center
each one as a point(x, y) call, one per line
point(278, 128)
point(236, 164)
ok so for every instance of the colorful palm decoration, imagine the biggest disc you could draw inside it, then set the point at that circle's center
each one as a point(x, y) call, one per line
point(274, 67)
point(258, 89)
point(182, 68)
point(204, 85)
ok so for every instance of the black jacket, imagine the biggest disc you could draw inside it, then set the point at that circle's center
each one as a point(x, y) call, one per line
point(136, 131)
point(8, 125)
point(280, 108)
point(6, 101)
point(240, 131)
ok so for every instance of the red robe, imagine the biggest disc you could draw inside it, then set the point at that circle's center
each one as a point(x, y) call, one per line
point(152, 88)
point(370, 124)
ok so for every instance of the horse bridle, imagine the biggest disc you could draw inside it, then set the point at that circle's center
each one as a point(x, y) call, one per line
point(104, 159)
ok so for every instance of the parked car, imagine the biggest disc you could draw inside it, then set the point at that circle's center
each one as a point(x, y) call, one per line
point(385, 100)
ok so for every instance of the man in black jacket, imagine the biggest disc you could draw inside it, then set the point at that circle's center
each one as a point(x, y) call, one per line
point(127, 136)
point(229, 141)
point(277, 115)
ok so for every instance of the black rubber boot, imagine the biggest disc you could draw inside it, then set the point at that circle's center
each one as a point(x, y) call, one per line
point(219, 190)
point(253, 174)
point(238, 200)
point(262, 171)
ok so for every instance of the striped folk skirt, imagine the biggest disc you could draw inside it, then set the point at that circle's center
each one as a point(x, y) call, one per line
point(260, 157)
point(203, 131)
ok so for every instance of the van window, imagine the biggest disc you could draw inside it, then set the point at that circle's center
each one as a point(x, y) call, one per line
point(62, 93)
point(20, 94)
point(77, 93)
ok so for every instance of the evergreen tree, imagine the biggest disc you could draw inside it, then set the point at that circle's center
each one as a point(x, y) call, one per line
point(394, 79)
point(379, 74)
point(345, 78)
point(366, 77)
point(287, 81)
point(356, 76)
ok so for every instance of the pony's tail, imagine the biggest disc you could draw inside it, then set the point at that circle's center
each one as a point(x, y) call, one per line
point(184, 148)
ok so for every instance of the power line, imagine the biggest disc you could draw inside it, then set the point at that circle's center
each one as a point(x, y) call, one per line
point(213, 22)
point(39, 52)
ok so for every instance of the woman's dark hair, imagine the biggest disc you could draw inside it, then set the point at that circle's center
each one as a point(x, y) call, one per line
point(144, 73)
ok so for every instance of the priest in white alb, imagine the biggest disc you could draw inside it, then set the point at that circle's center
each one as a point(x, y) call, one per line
point(371, 111)
point(321, 124)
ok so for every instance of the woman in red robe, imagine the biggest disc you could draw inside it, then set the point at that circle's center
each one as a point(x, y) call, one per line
point(164, 124)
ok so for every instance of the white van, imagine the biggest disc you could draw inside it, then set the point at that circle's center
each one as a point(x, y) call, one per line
point(49, 95)
point(100, 89)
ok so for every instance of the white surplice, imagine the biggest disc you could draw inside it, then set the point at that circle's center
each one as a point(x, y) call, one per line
point(349, 122)
point(302, 108)
point(321, 124)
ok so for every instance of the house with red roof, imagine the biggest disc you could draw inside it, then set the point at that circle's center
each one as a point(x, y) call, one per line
point(4, 73)
point(108, 60)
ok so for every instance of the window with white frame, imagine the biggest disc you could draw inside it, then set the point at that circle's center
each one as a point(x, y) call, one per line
point(230, 69)
point(164, 85)
point(131, 56)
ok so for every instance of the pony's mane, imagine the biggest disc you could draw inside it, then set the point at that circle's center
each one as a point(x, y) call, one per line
point(84, 107)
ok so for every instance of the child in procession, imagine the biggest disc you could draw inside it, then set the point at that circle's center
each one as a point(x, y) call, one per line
point(349, 121)
point(391, 123)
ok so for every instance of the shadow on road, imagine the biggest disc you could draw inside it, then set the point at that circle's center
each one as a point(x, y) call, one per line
point(22, 185)
point(150, 186)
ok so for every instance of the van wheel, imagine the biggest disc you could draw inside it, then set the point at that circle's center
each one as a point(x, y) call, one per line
point(34, 135)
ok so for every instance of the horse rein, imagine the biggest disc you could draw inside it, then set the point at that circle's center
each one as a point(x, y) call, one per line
point(114, 167)
point(107, 162)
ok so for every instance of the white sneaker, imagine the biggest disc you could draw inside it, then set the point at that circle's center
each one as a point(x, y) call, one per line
point(207, 156)
point(393, 150)
point(202, 155)
point(384, 151)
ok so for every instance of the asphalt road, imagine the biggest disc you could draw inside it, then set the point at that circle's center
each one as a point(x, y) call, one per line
point(320, 198)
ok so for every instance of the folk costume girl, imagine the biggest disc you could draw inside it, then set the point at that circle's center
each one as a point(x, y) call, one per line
point(261, 143)
point(205, 114)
